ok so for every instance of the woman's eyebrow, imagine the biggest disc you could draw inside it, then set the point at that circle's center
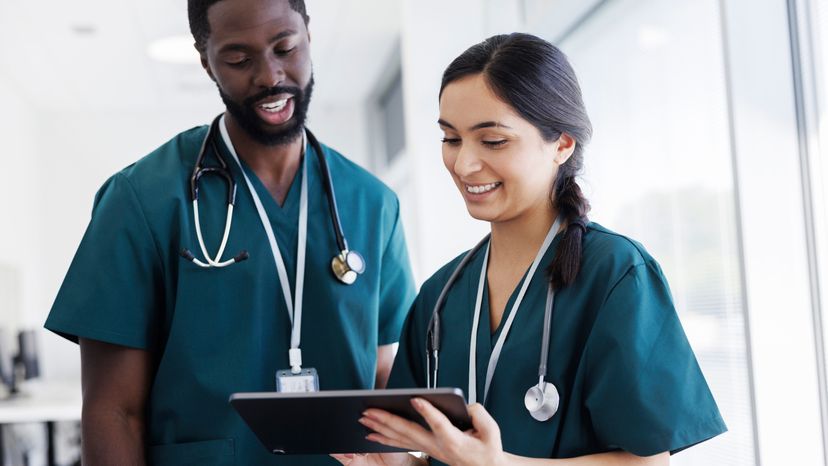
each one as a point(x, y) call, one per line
point(481, 125)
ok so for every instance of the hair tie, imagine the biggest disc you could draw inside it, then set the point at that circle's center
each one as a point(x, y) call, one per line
point(579, 223)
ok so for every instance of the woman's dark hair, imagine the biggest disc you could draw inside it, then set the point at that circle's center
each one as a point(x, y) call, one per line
point(535, 78)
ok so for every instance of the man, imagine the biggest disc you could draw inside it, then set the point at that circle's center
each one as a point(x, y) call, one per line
point(166, 339)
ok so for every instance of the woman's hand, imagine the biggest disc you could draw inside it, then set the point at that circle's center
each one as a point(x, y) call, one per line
point(445, 442)
point(377, 459)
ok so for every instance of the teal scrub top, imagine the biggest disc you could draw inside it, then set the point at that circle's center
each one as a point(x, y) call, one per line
point(216, 331)
point(618, 356)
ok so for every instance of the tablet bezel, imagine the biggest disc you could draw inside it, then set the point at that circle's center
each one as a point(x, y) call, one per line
point(326, 422)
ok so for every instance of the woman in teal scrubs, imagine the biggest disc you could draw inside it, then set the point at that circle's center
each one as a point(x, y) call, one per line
point(630, 389)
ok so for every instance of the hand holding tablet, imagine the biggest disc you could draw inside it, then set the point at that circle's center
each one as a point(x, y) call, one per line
point(328, 421)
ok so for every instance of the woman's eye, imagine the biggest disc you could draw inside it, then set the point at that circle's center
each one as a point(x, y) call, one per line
point(450, 141)
point(497, 143)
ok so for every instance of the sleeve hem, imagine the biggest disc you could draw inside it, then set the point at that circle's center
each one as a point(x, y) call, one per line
point(74, 332)
point(675, 442)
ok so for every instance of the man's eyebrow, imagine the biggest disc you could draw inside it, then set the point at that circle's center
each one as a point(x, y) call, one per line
point(242, 47)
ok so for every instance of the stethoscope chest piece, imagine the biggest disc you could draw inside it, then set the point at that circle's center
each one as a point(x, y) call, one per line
point(347, 266)
point(542, 401)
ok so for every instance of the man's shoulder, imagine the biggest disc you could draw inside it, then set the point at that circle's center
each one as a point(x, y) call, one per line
point(168, 159)
point(350, 179)
point(158, 176)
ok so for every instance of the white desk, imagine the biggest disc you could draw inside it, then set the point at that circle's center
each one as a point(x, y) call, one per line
point(43, 402)
point(46, 402)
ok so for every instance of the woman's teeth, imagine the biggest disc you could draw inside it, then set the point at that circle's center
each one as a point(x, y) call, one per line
point(483, 188)
point(274, 106)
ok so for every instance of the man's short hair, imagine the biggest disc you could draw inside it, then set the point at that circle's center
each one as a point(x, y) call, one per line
point(200, 26)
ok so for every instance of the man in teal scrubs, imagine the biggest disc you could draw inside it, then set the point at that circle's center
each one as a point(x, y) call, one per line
point(165, 342)
point(618, 356)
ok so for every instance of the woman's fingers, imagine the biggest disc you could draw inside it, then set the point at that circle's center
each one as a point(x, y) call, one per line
point(344, 458)
point(437, 421)
point(484, 424)
point(407, 434)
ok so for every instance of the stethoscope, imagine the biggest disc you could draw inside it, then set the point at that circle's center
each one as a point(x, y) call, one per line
point(542, 399)
point(346, 266)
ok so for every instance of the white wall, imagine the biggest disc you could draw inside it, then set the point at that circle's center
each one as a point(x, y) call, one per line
point(438, 225)
point(19, 247)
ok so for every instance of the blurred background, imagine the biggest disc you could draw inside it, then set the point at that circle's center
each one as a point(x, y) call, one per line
point(710, 146)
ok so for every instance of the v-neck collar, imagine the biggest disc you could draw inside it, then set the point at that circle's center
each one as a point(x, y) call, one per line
point(289, 210)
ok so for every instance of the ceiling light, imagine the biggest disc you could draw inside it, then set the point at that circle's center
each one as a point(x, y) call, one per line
point(651, 37)
point(176, 49)
point(84, 29)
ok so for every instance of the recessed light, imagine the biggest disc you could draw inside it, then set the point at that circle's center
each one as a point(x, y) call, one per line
point(84, 29)
point(651, 37)
point(175, 49)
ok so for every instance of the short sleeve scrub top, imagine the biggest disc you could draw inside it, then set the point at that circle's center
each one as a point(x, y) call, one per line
point(627, 377)
point(217, 331)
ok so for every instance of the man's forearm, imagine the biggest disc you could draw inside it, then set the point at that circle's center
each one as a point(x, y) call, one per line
point(111, 436)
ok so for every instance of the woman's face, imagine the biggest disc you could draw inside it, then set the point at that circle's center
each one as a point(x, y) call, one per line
point(499, 161)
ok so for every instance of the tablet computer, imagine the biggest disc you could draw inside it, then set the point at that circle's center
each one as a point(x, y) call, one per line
point(327, 422)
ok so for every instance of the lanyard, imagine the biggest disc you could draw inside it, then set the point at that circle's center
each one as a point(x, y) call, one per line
point(294, 309)
point(495, 356)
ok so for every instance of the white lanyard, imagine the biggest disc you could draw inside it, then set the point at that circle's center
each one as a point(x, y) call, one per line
point(495, 356)
point(294, 311)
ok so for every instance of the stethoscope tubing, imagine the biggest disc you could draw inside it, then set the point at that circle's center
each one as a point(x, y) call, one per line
point(224, 172)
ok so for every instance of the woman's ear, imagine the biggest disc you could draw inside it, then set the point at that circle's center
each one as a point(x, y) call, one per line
point(564, 148)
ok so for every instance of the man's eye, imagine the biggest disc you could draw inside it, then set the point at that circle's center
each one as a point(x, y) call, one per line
point(238, 62)
point(285, 51)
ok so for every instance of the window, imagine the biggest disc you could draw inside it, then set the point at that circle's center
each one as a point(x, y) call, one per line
point(659, 169)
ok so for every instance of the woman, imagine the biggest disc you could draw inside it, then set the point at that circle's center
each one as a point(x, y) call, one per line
point(622, 384)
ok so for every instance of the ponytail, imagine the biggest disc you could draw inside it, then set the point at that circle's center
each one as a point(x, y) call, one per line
point(573, 208)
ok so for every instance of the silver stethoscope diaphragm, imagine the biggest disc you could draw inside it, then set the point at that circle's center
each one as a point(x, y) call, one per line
point(542, 401)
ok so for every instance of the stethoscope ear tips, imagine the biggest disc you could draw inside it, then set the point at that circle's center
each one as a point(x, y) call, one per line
point(186, 254)
point(347, 266)
point(542, 401)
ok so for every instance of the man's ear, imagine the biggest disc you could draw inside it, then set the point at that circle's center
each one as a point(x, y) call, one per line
point(564, 148)
point(205, 63)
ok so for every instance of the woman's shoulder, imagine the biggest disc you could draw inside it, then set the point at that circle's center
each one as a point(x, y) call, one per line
point(434, 284)
point(611, 253)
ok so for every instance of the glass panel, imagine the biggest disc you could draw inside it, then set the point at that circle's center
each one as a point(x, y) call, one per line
point(392, 110)
point(659, 169)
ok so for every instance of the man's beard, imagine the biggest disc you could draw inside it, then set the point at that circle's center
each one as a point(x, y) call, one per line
point(245, 114)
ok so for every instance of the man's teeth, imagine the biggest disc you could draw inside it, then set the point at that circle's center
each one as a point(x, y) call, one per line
point(483, 188)
point(274, 106)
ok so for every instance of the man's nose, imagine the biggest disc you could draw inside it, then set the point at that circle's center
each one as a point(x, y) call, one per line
point(269, 73)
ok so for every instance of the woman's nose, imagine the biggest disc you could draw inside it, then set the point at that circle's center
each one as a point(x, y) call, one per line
point(467, 161)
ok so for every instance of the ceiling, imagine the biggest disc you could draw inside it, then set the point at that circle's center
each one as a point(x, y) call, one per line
point(92, 54)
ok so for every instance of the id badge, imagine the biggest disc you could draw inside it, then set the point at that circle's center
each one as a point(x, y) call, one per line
point(305, 381)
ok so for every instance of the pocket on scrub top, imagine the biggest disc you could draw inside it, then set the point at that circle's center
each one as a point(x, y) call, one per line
point(205, 453)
